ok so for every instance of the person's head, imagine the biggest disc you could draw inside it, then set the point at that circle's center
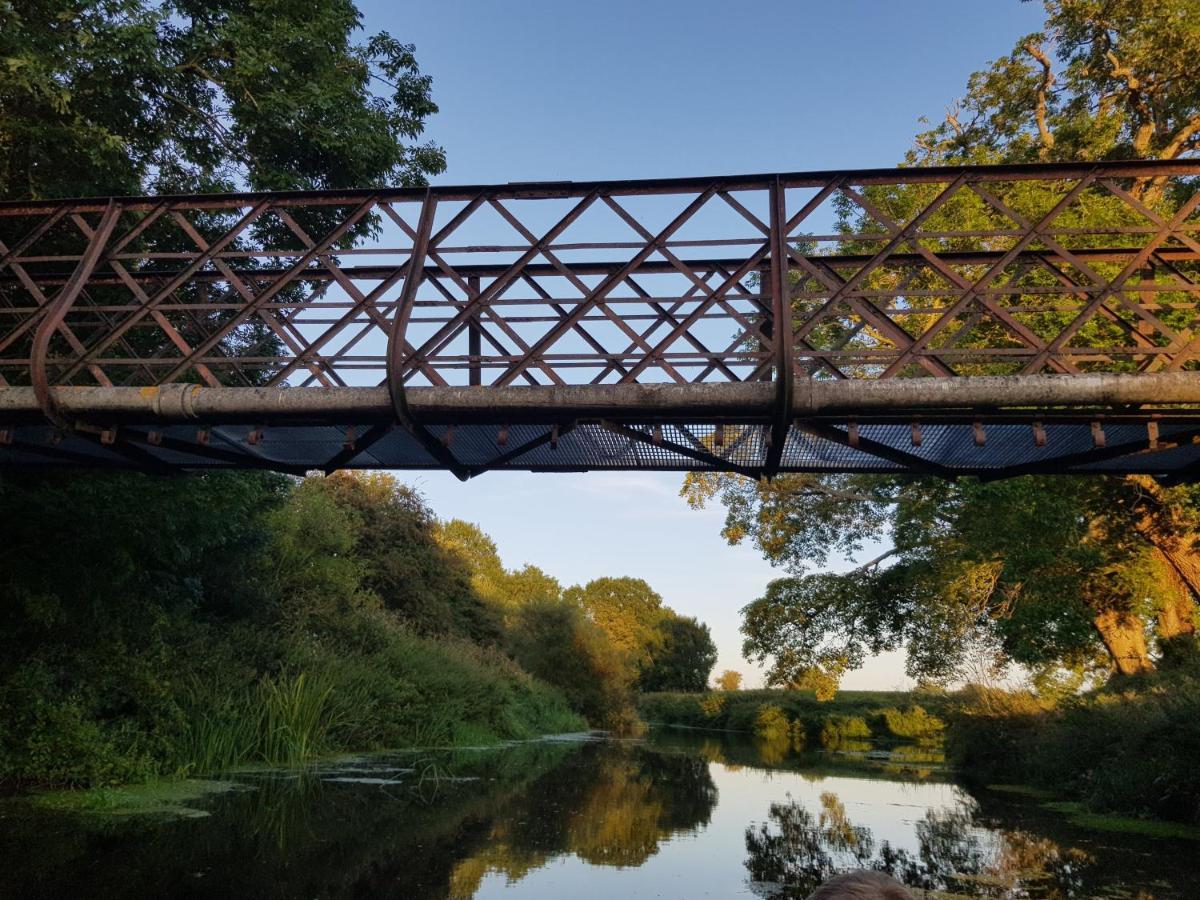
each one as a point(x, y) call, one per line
point(862, 886)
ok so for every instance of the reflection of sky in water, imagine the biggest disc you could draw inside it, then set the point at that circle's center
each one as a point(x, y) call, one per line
point(710, 862)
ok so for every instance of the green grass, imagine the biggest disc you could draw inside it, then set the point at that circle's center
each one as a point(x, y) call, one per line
point(296, 717)
point(1077, 814)
point(1130, 749)
point(283, 720)
point(1022, 790)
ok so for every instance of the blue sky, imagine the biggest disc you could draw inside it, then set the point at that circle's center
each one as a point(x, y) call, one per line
point(547, 91)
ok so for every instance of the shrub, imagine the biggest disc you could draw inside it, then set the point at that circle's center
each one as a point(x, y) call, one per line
point(711, 705)
point(913, 723)
point(770, 722)
point(55, 732)
point(1126, 751)
point(556, 642)
point(840, 729)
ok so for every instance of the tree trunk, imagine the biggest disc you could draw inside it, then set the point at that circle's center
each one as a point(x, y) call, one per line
point(1176, 613)
point(1125, 641)
point(1182, 559)
point(1159, 523)
point(1174, 547)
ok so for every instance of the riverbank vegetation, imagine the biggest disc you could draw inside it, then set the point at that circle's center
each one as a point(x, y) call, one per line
point(1128, 748)
point(887, 716)
point(155, 626)
point(1125, 748)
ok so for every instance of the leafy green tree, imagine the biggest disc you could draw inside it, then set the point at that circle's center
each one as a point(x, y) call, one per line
point(729, 680)
point(505, 589)
point(412, 574)
point(684, 660)
point(628, 611)
point(1104, 79)
point(105, 580)
point(557, 642)
point(114, 97)
point(963, 573)
point(314, 576)
point(1050, 572)
point(127, 96)
point(549, 634)
point(88, 557)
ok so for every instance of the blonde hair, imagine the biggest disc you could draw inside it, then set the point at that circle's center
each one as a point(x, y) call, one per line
point(862, 886)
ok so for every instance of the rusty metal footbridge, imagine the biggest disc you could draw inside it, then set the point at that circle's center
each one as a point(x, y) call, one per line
point(988, 321)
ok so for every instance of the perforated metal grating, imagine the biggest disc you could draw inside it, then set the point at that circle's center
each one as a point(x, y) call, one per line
point(945, 449)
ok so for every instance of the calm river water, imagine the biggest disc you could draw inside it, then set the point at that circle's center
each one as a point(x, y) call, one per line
point(676, 815)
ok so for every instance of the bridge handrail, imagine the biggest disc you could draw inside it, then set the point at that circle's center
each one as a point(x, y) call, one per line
point(1137, 168)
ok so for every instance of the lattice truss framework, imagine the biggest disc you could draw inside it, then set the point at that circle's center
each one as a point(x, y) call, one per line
point(881, 274)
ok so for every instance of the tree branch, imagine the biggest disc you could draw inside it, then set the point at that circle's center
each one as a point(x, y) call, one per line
point(1135, 93)
point(1183, 137)
point(817, 491)
point(874, 563)
point(1043, 91)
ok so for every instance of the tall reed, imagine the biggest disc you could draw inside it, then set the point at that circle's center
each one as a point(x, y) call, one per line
point(295, 717)
point(219, 730)
point(282, 720)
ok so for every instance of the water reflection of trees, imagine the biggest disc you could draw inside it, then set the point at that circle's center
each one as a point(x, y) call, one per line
point(796, 850)
point(507, 811)
point(614, 810)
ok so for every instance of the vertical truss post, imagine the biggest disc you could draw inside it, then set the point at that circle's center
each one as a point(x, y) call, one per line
point(395, 351)
point(781, 329)
point(474, 339)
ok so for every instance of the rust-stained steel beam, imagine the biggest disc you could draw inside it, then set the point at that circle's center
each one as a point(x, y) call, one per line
point(1143, 168)
point(742, 402)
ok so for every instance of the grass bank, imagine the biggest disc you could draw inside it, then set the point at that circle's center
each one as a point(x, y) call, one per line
point(1125, 753)
point(404, 690)
point(239, 696)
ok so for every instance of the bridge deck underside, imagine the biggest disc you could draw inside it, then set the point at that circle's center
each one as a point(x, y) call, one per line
point(947, 449)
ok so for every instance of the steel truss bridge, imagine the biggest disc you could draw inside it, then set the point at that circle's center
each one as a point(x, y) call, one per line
point(992, 321)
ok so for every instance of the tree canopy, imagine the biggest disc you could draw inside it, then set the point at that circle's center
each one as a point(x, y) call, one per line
point(629, 611)
point(506, 589)
point(729, 680)
point(1103, 79)
point(684, 660)
point(132, 96)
